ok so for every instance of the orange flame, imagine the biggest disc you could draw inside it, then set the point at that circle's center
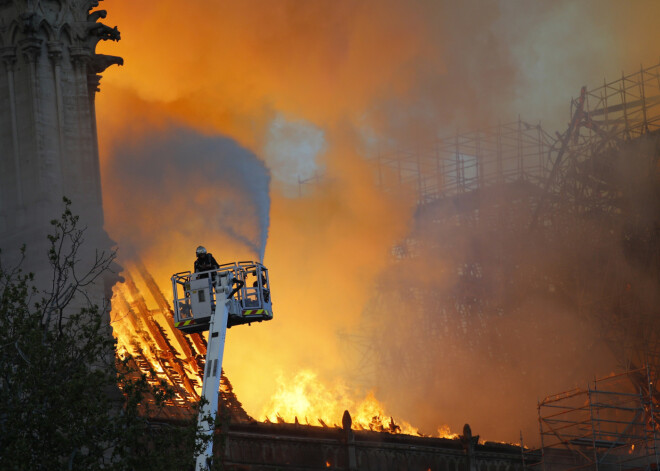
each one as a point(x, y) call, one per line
point(305, 397)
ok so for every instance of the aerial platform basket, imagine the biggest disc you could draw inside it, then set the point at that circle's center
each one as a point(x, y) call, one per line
point(196, 296)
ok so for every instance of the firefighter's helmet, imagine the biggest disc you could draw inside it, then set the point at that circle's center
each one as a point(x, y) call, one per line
point(200, 251)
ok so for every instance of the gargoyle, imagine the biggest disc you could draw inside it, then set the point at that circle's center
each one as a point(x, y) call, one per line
point(92, 4)
point(95, 15)
point(100, 62)
point(104, 32)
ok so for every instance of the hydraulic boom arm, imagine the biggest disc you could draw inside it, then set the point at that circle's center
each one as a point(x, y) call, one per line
point(212, 373)
point(214, 300)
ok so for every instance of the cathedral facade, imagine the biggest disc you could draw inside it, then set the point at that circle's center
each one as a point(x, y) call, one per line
point(49, 76)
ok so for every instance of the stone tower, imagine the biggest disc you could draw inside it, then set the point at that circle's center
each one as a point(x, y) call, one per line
point(49, 76)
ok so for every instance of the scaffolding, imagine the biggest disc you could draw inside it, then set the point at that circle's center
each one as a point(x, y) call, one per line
point(572, 164)
point(586, 158)
point(610, 425)
point(466, 162)
point(629, 106)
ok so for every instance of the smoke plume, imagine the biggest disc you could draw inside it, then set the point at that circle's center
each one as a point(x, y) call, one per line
point(174, 189)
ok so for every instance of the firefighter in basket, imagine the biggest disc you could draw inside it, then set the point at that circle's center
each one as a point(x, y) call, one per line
point(205, 262)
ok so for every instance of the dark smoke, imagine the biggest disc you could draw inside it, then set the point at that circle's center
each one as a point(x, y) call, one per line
point(186, 189)
point(481, 313)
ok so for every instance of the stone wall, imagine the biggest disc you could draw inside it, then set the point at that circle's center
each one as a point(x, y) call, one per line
point(49, 75)
point(260, 447)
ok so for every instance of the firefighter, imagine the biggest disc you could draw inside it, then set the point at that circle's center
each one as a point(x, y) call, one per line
point(265, 291)
point(205, 261)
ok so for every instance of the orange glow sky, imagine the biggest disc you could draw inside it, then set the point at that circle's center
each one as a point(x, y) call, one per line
point(311, 85)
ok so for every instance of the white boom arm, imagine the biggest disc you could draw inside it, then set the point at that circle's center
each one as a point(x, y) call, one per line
point(202, 305)
point(212, 372)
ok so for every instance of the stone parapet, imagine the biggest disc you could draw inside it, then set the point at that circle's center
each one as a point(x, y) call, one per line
point(263, 446)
